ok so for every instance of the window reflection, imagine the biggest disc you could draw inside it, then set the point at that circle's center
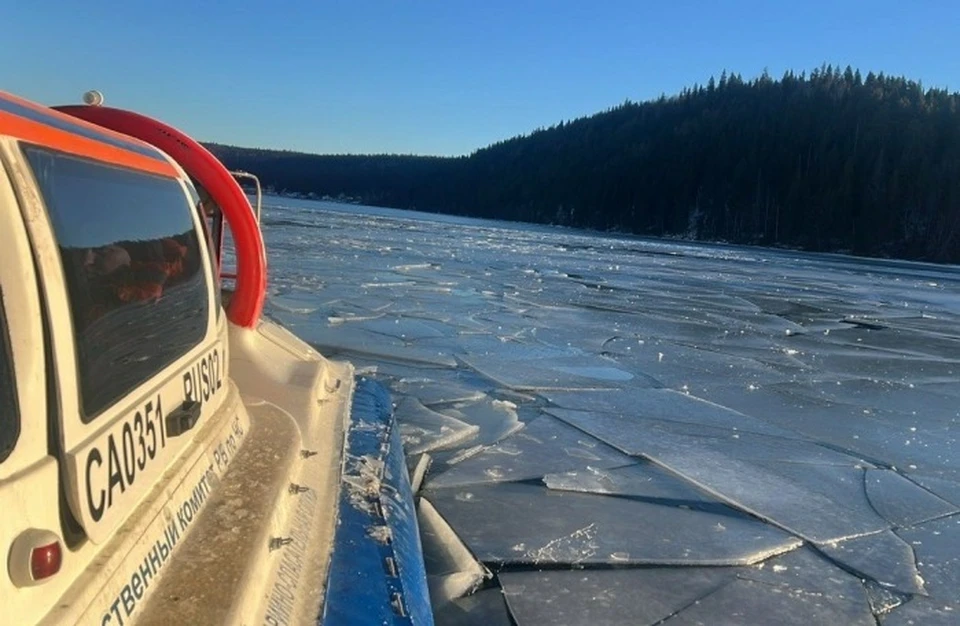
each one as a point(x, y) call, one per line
point(133, 268)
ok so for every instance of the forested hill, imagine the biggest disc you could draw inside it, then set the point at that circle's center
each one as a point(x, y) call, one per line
point(828, 161)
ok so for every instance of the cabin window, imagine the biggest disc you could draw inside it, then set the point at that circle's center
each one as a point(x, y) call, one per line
point(132, 262)
point(9, 409)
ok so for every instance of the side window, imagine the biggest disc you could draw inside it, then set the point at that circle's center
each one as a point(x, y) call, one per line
point(132, 262)
point(9, 409)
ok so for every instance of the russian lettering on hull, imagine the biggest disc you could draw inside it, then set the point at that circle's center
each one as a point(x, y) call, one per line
point(182, 515)
point(281, 606)
point(133, 591)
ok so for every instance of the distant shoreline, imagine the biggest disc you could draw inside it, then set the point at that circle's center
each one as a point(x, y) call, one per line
point(501, 222)
point(833, 161)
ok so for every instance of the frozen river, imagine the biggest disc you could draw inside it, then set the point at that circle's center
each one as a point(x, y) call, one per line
point(626, 431)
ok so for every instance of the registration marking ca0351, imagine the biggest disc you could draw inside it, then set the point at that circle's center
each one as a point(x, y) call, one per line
point(142, 437)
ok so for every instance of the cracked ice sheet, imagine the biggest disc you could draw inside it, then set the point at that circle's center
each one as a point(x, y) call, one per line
point(508, 349)
point(774, 354)
point(519, 523)
point(920, 611)
point(818, 502)
point(545, 445)
point(747, 602)
point(392, 372)
point(919, 442)
point(872, 393)
point(883, 557)
point(901, 342)
point(809, 490)
point(293, 302)
point(642, 480)
point(784, 405)
point(352, 339)
point(622, 596)
point(889, 438)
point(937, 546)
point(893, 439)
point(877, 364)
point(406, 329)
point(588, 331)
point(803, 571)
point(901, 501)
point(665, 404)
point(680, 366)
point(489, 266)
point(946, 487)
point(578, 372)
point(641, 436)
point(431, 392)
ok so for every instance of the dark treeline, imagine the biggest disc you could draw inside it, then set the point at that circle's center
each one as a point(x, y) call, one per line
point(827, 161)
point(382, 180)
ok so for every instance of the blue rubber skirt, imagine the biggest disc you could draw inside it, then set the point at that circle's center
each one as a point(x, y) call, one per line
point(377, 574)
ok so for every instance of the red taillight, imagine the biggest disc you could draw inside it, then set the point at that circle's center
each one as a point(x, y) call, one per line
point(45, 560)
point(35, 555)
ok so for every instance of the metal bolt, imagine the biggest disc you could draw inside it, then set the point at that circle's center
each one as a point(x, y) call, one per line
point(278, 542)
point(391, 566)
point(396, 601)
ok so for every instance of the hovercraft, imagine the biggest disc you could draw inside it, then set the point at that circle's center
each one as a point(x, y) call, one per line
point(167, 454)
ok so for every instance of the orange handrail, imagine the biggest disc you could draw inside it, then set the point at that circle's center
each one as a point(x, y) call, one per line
point(246, 304)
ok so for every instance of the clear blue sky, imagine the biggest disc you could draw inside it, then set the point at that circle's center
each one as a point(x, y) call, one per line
point(443, 76)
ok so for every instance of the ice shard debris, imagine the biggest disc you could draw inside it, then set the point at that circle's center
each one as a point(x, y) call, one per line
point(496, 419)
point(452, 571)
point(418, 467)
point(423, 429)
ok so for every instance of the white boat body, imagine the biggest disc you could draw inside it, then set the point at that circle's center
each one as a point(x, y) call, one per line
point(232, 521)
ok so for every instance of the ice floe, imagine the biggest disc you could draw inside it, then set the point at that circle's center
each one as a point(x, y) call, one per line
point(624, 411)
